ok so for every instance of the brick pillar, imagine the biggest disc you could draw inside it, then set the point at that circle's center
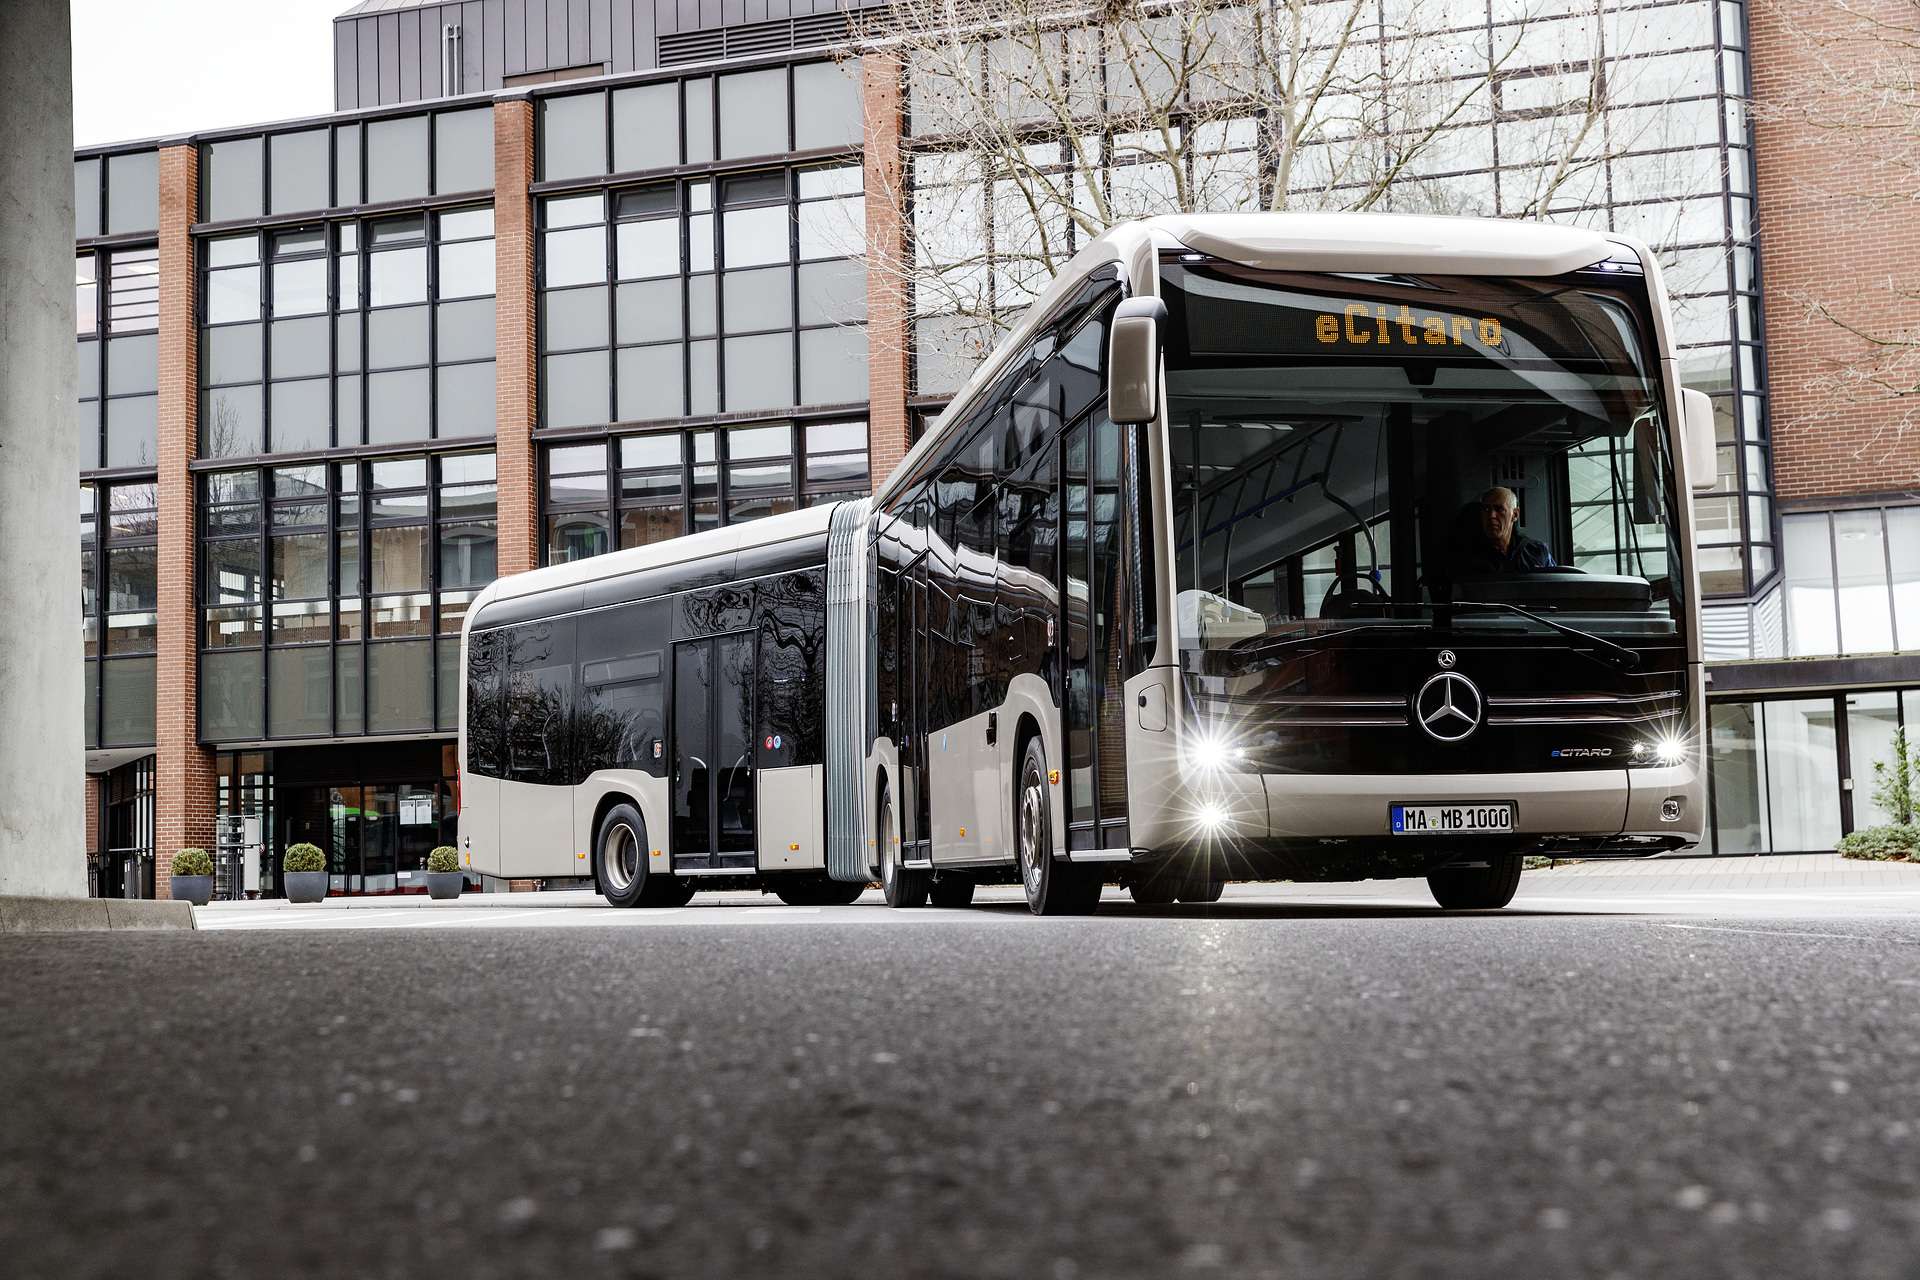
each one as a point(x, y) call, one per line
point(94, 843)
point(889, 334)
point(184, 780)
point(516, 369)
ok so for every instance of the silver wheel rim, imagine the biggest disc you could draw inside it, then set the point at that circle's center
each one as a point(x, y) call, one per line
point(889, 853)
point(620, 858)
point(1033, 833)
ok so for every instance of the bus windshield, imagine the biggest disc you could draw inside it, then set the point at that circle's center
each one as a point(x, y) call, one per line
point(1383, 451)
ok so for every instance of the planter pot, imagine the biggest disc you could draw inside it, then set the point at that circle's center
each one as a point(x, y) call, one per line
point(442, 885)
point(304, 886)
point(195, 889)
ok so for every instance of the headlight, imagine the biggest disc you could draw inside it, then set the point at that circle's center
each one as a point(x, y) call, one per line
point(1214, 753)
point(1671, 750)
point(1212, 816)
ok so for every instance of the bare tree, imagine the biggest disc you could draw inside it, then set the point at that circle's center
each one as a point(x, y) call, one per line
point(1036, 125)
point(1862, 103)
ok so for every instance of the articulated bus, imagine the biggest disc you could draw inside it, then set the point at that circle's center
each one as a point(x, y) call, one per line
point(1267, 546)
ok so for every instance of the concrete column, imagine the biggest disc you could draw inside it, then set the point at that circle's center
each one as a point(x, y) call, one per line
point(517, 365)
point(184, 798)
point(43, 839)
point(889, 334)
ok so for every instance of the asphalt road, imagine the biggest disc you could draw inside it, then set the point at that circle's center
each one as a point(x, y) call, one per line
point(1262, 1089)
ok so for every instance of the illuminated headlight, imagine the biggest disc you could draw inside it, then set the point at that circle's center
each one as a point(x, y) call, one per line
point(1671, 751)
point(1212, 816)
point(1214, 753)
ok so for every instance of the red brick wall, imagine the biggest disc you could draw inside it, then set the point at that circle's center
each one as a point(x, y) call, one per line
point(94, 843)
point(514, 331)
point(1825, 237)
point(888, 332)
point(184, 783)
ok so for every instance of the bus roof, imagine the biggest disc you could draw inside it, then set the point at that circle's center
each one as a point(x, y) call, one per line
point(1331, 242)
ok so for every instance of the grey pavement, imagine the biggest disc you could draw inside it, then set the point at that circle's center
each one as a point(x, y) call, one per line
point(1301, 1081)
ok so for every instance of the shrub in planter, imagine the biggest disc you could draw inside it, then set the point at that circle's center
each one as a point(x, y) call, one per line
point(444, 877)
point(304, 873)
point(1898, 842)
point(193, 877)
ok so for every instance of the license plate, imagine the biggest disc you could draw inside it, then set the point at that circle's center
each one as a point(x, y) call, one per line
point(1452, 819)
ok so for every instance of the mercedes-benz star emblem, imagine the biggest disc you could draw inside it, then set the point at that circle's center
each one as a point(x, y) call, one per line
point(1449, 707)
point(1447, 659)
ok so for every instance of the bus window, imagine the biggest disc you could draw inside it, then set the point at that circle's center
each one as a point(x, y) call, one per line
point(539, 701)
point(792, 669)
point(486, 685)
point(622, 720)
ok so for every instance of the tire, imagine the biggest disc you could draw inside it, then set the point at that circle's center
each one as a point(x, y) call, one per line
point(1202, 890)
point(1054, 888)
point(1159, 891)
point(902, 888)
point(816, 891)
point(951, 892)
point(1485, 888)
point(620, 856)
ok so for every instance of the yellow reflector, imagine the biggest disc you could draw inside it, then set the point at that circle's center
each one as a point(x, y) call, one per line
point(793, 846)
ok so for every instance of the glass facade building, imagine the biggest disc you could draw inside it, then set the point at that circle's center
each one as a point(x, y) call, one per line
point(405, 378)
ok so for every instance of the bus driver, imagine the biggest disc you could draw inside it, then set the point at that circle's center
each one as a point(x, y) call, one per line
point(1500, 547)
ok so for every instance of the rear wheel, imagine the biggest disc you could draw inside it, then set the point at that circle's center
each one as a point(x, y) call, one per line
point(901, 887)
point(1477, 888)
point(951, 892)
point(1054, 888)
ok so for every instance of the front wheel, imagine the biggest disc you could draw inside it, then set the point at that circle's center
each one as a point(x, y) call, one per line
point(1485, 888)
point(1054, 888)
point(620, 856)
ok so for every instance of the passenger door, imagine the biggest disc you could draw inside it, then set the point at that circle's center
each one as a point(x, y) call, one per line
point(1093, 594)
point(713, 753)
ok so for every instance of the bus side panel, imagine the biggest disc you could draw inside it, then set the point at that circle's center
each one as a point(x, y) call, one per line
point(480, 823)
point(954, 756)
point(536, 830)
point(792, 818)
point(648, 794)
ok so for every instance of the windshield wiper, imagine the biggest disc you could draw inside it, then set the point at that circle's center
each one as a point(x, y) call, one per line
point(1617, 655)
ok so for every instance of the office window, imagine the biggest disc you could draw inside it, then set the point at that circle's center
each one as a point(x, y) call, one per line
point(642, 127)
point(131, 196)
point(117, 358)
point(371, 331)
point(119, 601)
point(1852, 581)
point(333, 593)
point(637, 489)
point(703, 296)
point(310, 170)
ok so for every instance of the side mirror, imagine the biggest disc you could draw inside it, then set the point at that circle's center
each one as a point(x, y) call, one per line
point(1696, 432)
point(1133, 361)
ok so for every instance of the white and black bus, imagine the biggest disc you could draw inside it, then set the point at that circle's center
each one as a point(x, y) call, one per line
point(1317, 547)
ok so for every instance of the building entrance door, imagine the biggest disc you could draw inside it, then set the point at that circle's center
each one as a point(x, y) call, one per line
point(713, 789)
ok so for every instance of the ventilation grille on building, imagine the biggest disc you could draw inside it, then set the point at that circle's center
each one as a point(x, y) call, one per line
point(813, 31)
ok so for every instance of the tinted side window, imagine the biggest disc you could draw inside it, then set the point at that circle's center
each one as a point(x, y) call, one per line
point(486, 729)
point(622, 720)
point(539, 699)
point(792, 669)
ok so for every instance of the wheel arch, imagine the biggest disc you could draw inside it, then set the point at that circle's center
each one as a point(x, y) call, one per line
point(600, 811)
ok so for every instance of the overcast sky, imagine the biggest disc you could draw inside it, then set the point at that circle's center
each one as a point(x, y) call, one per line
point(148, 68)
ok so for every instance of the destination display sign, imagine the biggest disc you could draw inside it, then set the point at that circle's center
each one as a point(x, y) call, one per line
point(1377, 325)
